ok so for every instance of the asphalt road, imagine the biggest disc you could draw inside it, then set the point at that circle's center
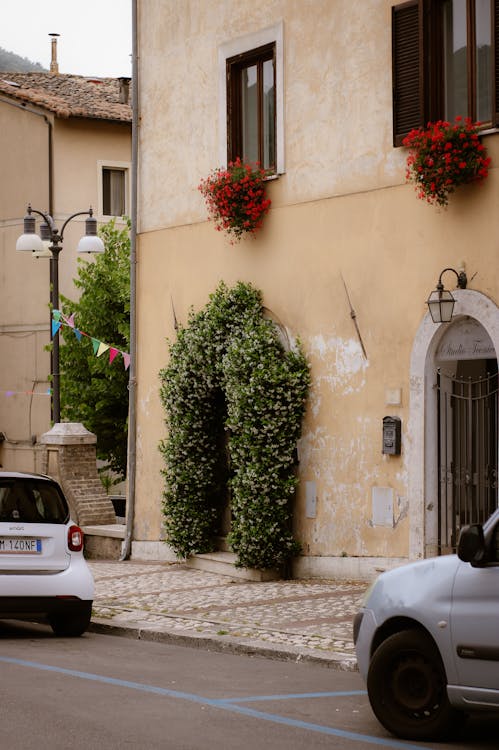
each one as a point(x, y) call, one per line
point(106, 692)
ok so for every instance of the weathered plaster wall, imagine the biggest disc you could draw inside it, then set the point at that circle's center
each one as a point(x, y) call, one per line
point(24, 281)
point(78, 148)
point(341, 215)
point(337, 133)
point(24, 315)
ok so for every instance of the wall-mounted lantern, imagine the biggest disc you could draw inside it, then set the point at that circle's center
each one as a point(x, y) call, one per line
point(441, 302)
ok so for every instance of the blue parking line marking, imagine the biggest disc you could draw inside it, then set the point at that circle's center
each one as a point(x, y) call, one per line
point(288, 696)
point(107, 680)
point(225, 704)
point(332, 731)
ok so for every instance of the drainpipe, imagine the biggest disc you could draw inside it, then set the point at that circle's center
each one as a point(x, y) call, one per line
point(132, 383)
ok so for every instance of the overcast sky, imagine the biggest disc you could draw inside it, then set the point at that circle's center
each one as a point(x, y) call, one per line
point(95, 35)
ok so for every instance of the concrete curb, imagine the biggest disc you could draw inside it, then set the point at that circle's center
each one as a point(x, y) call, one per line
point(226, 644)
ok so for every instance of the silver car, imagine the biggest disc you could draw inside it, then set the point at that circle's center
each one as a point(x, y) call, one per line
point(427, 638)
point(43, 573)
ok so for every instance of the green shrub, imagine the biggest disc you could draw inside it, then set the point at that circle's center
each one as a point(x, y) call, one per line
point(229, 374)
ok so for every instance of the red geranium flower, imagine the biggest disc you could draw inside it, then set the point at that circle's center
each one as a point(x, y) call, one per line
point(236, 198)
point(443, 156)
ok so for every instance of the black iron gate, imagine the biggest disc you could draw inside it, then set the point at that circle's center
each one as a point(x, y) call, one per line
point(467, 460)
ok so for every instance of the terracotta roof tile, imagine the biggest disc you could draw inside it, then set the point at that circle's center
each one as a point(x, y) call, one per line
point(68, 95)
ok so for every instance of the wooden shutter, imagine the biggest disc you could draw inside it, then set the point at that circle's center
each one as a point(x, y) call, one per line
point(407, 68)
point(495, 66)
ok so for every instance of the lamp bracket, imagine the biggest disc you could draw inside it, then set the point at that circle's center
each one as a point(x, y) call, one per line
point(56, 236)
point(462, 279)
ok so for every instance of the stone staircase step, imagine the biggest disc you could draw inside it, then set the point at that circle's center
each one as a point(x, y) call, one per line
point(224, 563)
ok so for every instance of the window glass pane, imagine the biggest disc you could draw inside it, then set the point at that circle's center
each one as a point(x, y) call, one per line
point(30, 501)
point(483, 61)
point(249, 114)
point(455, 64)
point(113, 192)
point(268, 115)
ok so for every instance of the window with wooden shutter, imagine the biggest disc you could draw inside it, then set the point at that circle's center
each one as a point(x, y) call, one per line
point(407, 69)
point(495, 46)
point(445, 62)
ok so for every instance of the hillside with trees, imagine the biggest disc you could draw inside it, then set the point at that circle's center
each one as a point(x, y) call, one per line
point(10, 62)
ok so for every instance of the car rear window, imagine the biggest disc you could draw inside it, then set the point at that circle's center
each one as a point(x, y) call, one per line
point(32, 501)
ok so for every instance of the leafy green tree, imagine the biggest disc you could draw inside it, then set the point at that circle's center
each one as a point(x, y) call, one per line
point(93, 390)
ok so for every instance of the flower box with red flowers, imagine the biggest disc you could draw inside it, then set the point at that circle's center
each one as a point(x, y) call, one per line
point(236, 198)
point(444, 156)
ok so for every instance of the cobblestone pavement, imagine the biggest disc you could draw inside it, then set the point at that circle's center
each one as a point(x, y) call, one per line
point(290, 619)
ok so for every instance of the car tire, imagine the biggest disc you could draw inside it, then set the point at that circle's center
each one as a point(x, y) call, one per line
point(71, 624)
point(407, 688)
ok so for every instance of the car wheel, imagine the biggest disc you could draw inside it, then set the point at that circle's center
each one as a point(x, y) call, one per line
point(71, 624)
point(407, 688)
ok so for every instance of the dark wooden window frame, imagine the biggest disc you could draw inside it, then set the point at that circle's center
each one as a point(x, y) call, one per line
point(106, 189)
point(234, 67)
point(417, 65)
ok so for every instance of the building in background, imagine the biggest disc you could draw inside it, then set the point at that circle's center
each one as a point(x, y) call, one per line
point(65, 145)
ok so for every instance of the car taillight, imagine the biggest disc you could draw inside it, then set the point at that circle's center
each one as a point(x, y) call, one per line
point(75, 539)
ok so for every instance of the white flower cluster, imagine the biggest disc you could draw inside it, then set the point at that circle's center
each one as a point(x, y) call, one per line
point(234, 399)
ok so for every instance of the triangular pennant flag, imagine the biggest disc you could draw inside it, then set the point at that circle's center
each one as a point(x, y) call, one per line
point(99, 347)
point(9, 393)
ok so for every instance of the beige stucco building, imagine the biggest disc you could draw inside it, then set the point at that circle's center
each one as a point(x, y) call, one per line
point(346, 260)
point(64, 139)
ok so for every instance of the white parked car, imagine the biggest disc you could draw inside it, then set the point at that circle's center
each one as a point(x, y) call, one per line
point(42, 569)
point(427, 638)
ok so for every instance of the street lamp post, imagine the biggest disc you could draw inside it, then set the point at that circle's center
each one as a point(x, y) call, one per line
point(51, 239)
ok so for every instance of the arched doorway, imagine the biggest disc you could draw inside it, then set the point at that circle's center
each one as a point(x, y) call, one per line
point(452, 430)
point(467, 430)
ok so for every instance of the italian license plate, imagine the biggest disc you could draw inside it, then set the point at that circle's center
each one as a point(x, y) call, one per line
point(11, 545)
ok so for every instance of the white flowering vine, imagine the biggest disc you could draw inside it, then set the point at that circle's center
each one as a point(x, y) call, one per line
point(229, 373)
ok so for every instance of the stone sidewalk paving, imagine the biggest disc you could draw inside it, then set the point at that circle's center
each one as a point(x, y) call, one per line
point(297, 619)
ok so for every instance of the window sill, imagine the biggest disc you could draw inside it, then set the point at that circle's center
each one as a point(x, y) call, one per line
point(485, 131)
point(488, 131)
point(271, 177)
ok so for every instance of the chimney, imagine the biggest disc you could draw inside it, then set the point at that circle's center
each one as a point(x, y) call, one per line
point(54, 65)
point(124, 89)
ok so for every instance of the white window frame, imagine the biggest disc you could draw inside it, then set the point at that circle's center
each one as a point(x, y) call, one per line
point(272, 34)
point(123, 166)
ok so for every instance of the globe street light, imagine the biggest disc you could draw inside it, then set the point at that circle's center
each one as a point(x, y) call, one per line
point(49, 243)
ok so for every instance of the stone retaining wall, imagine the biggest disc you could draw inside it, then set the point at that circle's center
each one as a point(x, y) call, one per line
point(71, 460)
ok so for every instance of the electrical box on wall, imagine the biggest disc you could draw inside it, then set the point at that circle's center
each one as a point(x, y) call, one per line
point(392, 431)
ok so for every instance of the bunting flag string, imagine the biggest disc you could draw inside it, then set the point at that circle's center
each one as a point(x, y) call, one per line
point(99, 347)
